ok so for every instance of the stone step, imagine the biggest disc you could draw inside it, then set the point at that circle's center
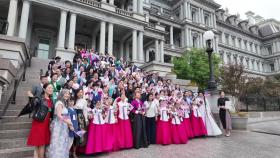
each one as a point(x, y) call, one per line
point(17, 106)
point(11, 119)
point(15, 125)
point(13, 143)
point(17, 152)
point(11, 112)
point(12, 134)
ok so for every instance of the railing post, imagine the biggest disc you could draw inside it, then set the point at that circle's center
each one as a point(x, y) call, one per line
point(278, 104)
point(24, 71)
point(15, 94)
point(247, 106)
point(264, 105)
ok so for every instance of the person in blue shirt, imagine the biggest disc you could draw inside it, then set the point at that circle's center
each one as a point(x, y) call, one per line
point(73, 115)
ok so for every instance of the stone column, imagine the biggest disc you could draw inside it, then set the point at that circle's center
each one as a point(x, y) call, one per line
point(110, 38)
point(147, 55)
point(102, 37)
point(140, 6)
point(190, 37)
point(202, 41)
point(171, 37)
point(214, 20)
point(121, 49)
point(245, 63)
point(182, 37)
point(127, 51)
point(189, 11)
point(162, 51)
point(182, 12)
point(72, 31)
point(261, 67)
point(134, 45)
point(135, 6)
point(62, 29)
point(140, 46)
point(202, 17)
point(236, 42)
point(24, 19)
point(186, 35)
point(223, 38)
point(157, 56)
point(185, 9)
point(12, 17)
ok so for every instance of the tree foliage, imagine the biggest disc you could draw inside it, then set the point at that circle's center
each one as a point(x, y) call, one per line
point(233, 79)
point(235, 82)
point(194, 65)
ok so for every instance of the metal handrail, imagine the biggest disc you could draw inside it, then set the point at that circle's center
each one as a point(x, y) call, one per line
point(20, 77)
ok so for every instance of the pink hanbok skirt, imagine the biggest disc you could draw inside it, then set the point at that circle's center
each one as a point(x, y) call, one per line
point(163, 135)
point(198, 126)
point(113, 134)
point(125, 138)
point(98, 139)
point(188, 127)
point(178, 133)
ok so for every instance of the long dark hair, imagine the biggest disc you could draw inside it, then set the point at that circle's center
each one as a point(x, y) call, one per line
point(44, 90)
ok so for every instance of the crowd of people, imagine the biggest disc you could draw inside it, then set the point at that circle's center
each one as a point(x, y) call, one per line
point(99, 103)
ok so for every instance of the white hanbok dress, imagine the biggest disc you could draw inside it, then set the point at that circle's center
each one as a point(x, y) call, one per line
point(208, 119)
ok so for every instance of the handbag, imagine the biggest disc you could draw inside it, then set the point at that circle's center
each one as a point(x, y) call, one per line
point(229, 106)
point(40, 112)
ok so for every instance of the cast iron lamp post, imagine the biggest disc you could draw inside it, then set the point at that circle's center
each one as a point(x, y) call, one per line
point(209, 36)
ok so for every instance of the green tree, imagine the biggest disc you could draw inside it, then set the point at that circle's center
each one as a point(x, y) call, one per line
point(194, 65)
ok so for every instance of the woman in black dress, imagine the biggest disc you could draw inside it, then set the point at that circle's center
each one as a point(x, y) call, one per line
point(224, 113)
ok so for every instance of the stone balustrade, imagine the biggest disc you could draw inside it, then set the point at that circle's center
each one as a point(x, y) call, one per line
point(123, 12)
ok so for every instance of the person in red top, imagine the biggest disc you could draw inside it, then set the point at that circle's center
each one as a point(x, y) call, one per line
point(39, 135)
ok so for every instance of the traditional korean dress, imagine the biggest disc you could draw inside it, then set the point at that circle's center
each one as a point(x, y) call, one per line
point(139, 125)
point(177, 128)
point(125, 138)
point(112, 128)
point(197, 123)
point(187, 121)
point(163, 135)
point(97, 135)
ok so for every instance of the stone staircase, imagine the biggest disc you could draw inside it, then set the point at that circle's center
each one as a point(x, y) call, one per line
point(13, 130)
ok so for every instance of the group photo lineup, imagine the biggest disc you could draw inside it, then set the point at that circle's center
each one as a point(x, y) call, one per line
point(139, 79)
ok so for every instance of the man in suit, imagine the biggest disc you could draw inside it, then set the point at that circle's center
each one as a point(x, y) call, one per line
point(38, 88)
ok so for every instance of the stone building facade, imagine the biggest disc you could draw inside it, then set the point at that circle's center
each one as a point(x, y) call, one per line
point(147, 32)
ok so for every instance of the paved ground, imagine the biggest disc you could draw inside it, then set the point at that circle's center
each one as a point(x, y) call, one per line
point(269, 127)
point(242, 144)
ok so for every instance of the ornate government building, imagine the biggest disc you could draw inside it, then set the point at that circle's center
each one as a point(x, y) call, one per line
point(147, 32)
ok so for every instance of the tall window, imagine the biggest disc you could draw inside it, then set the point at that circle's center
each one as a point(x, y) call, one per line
point(272, 67)
point(239, 43)
point(251, 47)
point(269, 49)
point(233, 41)
point(227, 39)
point(256, 48)
point(194, 41)
point(194, 15)
point(206, 20)
point(245, 45)
point(167, 58)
